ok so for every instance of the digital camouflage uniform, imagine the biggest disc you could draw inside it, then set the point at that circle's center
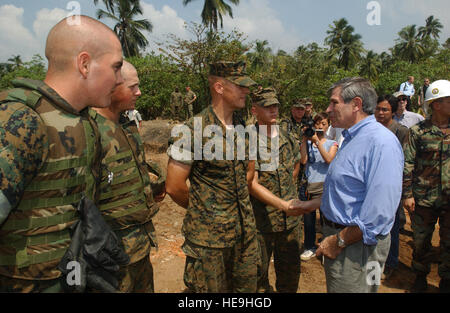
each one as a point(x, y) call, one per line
point(277, 233)
point(222, 252)
point(48, 161)
point(189, 100)
point(126, 198)
point(176, 104)
point(427, 179)
point(294, 128)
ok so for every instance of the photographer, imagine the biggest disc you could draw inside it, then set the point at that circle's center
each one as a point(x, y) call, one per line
point(317, 153)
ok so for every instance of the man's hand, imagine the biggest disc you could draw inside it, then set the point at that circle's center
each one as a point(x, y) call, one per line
point(296, 207)
point(329, 247)
point(410, 205)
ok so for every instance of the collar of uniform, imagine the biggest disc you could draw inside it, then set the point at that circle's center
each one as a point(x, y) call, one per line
point(56, 99)
point(213, 118)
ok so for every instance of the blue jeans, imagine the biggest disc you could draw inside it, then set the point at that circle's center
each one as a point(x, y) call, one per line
point(392, 259)
point(309, 221)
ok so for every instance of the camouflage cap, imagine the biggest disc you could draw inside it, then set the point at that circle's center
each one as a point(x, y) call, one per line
point(307, 101)
point(299, 103)
point(234, 72)
point(265, 97)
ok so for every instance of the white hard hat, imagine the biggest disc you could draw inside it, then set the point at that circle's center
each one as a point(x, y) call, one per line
point(436, 90)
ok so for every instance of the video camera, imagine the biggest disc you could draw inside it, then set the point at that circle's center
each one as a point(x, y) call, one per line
point(309, 124)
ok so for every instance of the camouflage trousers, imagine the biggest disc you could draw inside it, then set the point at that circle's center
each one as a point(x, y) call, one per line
point(190, 111)
point(423, 224)
point(137, 277)
point(210, 270)
point(8, 284)
point(285, 247)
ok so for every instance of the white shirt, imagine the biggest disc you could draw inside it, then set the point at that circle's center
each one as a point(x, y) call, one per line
point(335, 134)
point(135, 116)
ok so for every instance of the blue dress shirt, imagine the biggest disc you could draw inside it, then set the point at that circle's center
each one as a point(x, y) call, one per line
point(408, 89)
point(364, 182)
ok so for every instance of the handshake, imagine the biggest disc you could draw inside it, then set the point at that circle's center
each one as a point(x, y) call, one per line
point(295, 207)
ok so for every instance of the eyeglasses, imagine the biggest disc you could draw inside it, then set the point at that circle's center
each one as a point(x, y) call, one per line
point(382, 109)
point(402, 99)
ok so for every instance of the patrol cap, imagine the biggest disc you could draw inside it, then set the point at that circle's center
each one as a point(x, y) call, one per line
point(265, 97)
point(299, 103)
point(234, 72)
point(307, 101)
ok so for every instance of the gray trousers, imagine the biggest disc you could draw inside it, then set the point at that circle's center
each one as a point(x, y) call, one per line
point(358, 268)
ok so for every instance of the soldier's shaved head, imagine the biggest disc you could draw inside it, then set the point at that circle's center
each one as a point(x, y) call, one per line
point(84, 62)
point(128, 71)
point(125, 95)
point(65, 41)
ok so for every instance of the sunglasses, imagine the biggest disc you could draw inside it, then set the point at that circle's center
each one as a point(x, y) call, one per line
point(402, 99)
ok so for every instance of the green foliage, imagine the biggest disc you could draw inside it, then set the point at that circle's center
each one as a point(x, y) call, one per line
point(158, 78)
point(34, 69)
point(308, 72)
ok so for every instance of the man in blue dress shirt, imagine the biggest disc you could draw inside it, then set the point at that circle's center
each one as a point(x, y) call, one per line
point(362, 191)
point(408, 89)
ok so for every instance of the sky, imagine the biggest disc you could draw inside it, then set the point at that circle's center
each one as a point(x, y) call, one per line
point(285, 24)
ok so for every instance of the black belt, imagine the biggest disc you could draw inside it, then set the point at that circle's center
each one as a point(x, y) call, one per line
point(332, 224)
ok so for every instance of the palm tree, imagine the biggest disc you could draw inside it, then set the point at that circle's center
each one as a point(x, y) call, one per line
point(409, 46)
point(344, 44)
point(371, 65)
point(432, 28)
point(261, 55)
point(16, 61)
point(127, 28)
point(213, 10)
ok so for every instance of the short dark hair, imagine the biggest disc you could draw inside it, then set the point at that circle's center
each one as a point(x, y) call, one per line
point(393, 101)
point(321, 116)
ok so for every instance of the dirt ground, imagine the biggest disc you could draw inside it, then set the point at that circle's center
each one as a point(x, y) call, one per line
point(168, 260)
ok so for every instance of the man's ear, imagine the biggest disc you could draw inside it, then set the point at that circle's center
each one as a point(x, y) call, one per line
point(84, 63)
point(218, 87)
point(357, 101)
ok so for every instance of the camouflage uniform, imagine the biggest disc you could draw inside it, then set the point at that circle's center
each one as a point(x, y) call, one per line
point(126, 198)
point(277, 233)
point(176, 103)
point(221, 248)
point(427, 179)
point(48, 160)
point(189, 99)
point(294, 128)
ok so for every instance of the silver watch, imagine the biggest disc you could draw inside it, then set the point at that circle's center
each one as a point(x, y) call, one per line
point(341, 242)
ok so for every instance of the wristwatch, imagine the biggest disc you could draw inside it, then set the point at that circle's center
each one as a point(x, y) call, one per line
point(341, 242)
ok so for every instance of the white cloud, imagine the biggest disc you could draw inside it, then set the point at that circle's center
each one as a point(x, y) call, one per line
point(15, 38)
point(20, 40)
point(164, 22)
point(45, 20)
point(257, 20)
